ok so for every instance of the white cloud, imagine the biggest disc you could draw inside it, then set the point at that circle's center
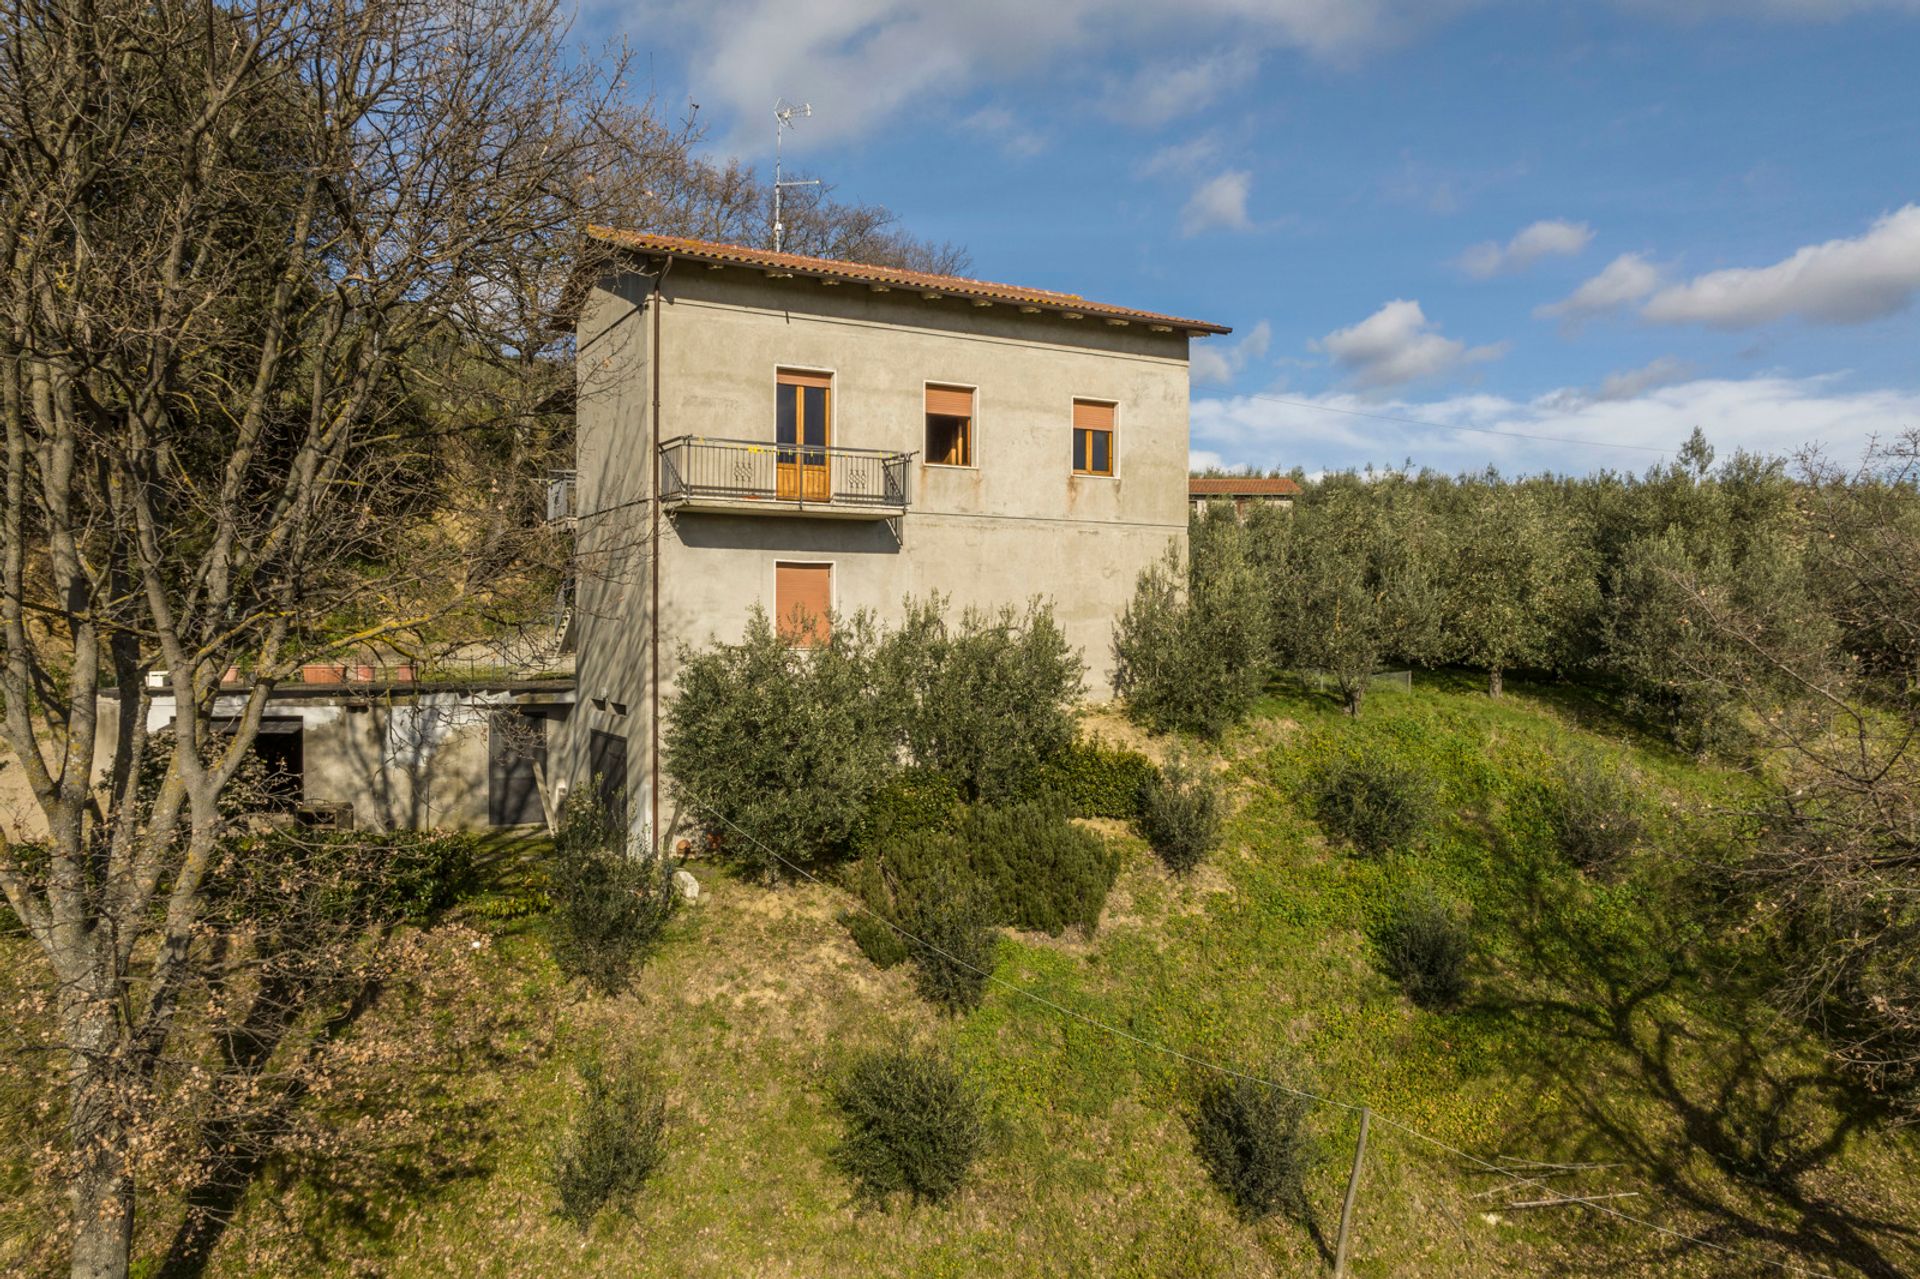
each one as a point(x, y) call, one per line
point(862, 62)
point(1223, 362)
point(1007, 131)
point(1631, 383)
point(1769, 415)
point(1625, 280)
point(1163, 91)
point(1398, 344)
point(1181, 159)
point(1553, 237)
point(1839, 282)
point(1220, 201)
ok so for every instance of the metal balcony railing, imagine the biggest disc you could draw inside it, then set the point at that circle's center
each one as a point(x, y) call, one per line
point(738, 474)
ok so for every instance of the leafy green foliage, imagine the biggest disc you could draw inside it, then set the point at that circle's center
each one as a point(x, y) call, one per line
point(985, 702)
point(1594, 811)
point(1040, 870)
point(1356, 584)
point(913, 1125)
point(1254, 1141)
point(617, 1140)
point(909, 801)
point(610, 902)
point(1373, 800)
point(777, 747)
point(1194, 647)
point(1096, 780)
point(350, 876)
point(1181, 812)
point(1425, 947)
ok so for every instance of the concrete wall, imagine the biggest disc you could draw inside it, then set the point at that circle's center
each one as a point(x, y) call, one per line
point(1018, 524)
point(414, 760)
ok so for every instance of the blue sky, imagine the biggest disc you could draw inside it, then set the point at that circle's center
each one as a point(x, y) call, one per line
point(1605, 222)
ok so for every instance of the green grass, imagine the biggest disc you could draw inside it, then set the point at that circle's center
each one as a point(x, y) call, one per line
point(1606, 1026)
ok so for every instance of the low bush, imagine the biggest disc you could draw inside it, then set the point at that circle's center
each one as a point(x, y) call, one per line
point(1594, 811)
point(349, 877)
point(910, 801)
point(913, 1125)
point(1181, 813)
point(922, 882)
point(1254, 1141)
point(1372, 801)
point(1095, 780)
point(1425, 947)
point(1041, 871)
point(952, 943)
point(610, 902)
point(617, 1140)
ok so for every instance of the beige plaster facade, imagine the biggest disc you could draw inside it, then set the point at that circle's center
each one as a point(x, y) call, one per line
point(709, 341)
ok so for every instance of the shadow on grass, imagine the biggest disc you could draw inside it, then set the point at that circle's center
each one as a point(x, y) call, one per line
point(1683, 1072)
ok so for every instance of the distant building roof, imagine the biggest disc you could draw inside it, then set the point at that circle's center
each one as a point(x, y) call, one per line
point(1242, 486)
point(893, 277)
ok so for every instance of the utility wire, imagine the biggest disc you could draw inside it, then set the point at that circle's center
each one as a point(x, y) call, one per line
point(1437, 426)
point(1201, 1062)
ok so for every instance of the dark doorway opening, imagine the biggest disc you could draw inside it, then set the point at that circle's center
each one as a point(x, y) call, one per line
point(607, 763)
point(516, 757)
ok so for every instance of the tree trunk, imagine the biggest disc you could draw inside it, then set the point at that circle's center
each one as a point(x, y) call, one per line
point(1354, 696)
point(101, 1192)
point(1495, 685)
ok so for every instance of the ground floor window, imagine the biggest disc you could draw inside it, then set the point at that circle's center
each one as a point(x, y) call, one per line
point(803, 603)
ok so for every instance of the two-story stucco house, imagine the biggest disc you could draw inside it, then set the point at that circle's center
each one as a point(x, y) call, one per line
point(793, 432)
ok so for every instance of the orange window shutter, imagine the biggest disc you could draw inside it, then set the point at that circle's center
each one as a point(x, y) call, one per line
point(802, 600)
point(950, 401)
point(1091, 415)
point(794, 377)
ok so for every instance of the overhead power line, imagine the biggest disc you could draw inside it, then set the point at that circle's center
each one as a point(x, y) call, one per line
point(1441, 426)
point(1175, 1054)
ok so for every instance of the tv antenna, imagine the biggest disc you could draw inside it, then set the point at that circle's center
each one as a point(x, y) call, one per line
point(784, 114)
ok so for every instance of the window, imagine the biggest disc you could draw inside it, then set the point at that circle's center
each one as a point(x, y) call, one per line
point(802, 429)
point(803, 603)
point(949, 425)
point(1092, 437)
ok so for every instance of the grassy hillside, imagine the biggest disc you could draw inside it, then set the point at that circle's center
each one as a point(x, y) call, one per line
point(1603, 1029)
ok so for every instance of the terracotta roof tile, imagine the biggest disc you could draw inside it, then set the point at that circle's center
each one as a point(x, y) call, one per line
point(890, 277)
point(1242, 486)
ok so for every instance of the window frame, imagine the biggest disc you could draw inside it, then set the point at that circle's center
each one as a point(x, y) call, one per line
point(1112, 433)
point(833, 598)
point(973, 425)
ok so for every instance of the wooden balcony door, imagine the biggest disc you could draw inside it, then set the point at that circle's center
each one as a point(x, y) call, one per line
point(803, 429)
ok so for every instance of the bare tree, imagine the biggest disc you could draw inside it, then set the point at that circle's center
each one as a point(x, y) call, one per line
point(1831, 857)
point(242, 246)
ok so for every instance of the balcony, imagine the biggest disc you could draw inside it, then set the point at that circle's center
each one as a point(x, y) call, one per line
point(703, 473)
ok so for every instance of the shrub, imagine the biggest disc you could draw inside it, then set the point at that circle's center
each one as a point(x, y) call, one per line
point(1180, 814)
point(1194, 647)
point(1425, 947)
point(986, 701)
point(908, 802)
point(616, 1142)
point(1040, 870)
point(347, 877)
point(1253, 1139)
point(1095, 780)
point(913, 1125)
point(780, 748)
point(1372, 801)
point(952, 947)
point(609, 902)
point(1594, 811)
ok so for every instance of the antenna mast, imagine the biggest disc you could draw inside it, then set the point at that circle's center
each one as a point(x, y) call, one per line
point(783, 119)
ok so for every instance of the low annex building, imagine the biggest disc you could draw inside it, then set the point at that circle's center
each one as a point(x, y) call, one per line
point(759, 428)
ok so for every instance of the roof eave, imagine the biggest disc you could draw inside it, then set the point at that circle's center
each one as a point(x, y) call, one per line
point(1192, 328)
